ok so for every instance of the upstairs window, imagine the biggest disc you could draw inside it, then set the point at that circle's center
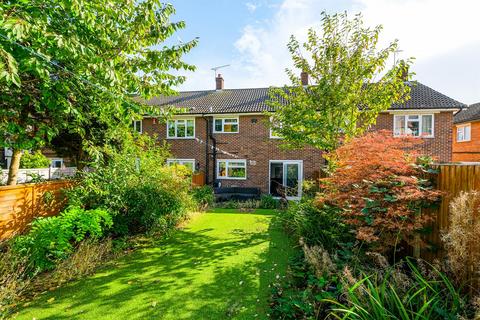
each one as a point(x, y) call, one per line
point(137, 126)
point(273, 126)
point(181, 129)
point(463, 133)
point(225, 125)
point(232, 169)
point(415, 125)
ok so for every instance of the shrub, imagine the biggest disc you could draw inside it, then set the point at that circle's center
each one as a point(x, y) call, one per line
point(380, 189)
point(34, 160)
point(152, 206)
point(132, 178)
point(318, 225)
point(14, 281)
point(461, 239)
point(268, 202)
point(398, 295)
point(203, 196)
point(52, 239)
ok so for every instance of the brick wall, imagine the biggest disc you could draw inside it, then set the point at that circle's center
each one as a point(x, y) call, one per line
point(468, 151)
point(252, 143)
point(440, 146)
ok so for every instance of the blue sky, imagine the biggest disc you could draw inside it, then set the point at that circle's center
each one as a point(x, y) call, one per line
point(251, 36)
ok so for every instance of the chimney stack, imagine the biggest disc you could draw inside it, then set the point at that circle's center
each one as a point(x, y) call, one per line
point(219, 82)
point(304, 78)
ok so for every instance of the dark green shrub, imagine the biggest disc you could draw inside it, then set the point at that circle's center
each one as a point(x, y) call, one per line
point(152, 207)
point(203, 196)
point(268, 202)
point(52, 239)
point(317, 226)
point(34, 160)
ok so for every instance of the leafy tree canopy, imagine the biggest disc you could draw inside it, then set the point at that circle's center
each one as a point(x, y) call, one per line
point(71, 64)
point(351, 84)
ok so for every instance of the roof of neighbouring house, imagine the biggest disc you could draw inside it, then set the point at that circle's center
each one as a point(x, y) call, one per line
point(254, 100)
point(471, 113)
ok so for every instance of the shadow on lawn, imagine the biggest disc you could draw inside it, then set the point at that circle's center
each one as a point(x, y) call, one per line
point(160, 282)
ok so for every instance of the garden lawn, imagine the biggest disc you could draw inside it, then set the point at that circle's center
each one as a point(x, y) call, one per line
point(220, 266)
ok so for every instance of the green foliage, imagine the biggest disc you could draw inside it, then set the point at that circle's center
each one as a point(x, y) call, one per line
point(34, 160)
point(352, 84)
point(268, 202)
point(386, 297)
point(52, 239)
point(80, 80)
point(204, 196)
point(318, 226)
point(139, 191)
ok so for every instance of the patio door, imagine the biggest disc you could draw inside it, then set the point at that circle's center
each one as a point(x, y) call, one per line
point(286, 178)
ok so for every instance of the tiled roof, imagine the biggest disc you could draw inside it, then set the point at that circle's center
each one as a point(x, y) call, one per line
point(471, 113)
point(254, 100)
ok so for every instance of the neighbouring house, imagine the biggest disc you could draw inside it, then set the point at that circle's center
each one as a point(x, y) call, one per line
point(225, 134)
point(466, 135)
point(55, 160)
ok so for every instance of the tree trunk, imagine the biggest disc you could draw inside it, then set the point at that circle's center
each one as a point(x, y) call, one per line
point(14, 166)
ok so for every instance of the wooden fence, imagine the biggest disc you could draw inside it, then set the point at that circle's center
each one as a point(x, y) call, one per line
point(452, 179)
point(20, 204)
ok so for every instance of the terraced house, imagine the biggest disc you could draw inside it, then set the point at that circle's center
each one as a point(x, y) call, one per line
point(225, 133)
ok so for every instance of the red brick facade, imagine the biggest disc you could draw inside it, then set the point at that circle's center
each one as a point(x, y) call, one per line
point(467, 151)
point(440, 146)
point(253, 143)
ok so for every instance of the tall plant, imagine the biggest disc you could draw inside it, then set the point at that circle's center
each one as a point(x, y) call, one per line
point(352, 84)
point(71, 65)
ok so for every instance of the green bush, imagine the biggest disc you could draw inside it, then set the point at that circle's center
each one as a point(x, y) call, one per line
point(317, 226)
point(52, 239)
point(203, 196)
point(135, 186)
point(268, 202)
point(34, 160)
point(152, 207)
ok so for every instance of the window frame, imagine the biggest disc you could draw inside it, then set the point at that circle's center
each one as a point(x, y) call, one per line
point(223, 118)
point(227, 161)
point(135, 122)
point(52, 160)
point(175, 120)
point(272, 136)
point(171, 161)
point(462, 127)
point(420, 124)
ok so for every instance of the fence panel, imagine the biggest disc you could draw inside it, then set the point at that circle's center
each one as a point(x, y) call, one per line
point(20, 204)
point(26, 175)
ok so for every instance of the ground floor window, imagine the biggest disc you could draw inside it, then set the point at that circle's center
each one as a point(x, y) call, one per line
point(232, 169)
point(56, 163)
point(286, 177)
point(189, 163)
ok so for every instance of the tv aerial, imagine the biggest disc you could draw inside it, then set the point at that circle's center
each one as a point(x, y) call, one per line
point(219, 67)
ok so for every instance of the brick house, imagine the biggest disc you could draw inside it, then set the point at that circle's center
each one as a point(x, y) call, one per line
point(224, 133)
point(466, 135)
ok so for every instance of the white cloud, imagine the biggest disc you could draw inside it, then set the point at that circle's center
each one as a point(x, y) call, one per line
point(442, 35)
point(251, 6)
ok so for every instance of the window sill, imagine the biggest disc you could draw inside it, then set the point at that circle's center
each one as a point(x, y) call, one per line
point(221, 132)
point(174, 138)
point(228, 178)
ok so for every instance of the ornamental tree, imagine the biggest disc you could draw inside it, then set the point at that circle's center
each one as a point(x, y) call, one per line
point(381, 187)
point(66, 66)
point(352, 84)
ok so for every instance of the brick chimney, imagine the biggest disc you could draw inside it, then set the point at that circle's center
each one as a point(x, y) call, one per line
point(304, 78)
point(219, 82)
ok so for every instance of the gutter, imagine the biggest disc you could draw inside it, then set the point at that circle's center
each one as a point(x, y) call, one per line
point(209, 136)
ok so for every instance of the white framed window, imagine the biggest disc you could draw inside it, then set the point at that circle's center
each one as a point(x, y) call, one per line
point(56, 163)
point(416, 125)
point(189, 163)
point(232, 169)
point(181, 128)
point(464, 132)
point(137, 126)
point(273, 134)
point(225, 125)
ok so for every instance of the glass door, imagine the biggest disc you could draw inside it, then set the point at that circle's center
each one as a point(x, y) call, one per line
point(286, 178)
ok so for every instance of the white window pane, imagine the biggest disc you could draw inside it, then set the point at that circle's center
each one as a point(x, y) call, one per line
point(399, 125)
point(190, 128)
point(427, 125)
point(230, 120)
point(181, 130)
point(171, 128)
point(236, 172)
point(460, 134)
point(218, 125)
point(413, 128)
point(222, 169)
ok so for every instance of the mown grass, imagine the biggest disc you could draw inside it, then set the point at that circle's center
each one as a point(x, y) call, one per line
point(219, 266)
